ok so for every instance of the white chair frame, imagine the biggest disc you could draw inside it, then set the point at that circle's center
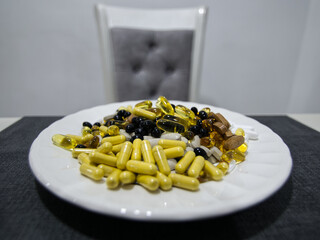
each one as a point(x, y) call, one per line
point(151, 19)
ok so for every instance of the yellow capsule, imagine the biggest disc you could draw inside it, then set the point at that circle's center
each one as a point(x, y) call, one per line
point(114, 140)
point(185, 182)
point(223, 166)
point(84, 158)
point(174, 152)
point(81, 139)
point(103, 129)
point(86, 130)
point(116, 148)
point(91, 171)
point(144, 104)
point(106, 169)
point(161, 159)
point(165, 183)
point(127, 177)
point(157, 111)
point(233, 154)
point(196, 167)
point(98, 157)
point(124, 155)
point(186, 114)
point(185, 162)
point(166, 143)
point(64, 141)
point(171, 126)
point(243, 148)
point(212, 171)
point(94, 142)
point(147, 152)
point(164, 105)
point(206, 109)
point(136, 149)
point(149, 182)
point(77, 151)
point(112, 130)
point(141, 167)
point(105, 147)
point(113, 180)
point(239, 132)
point(144, 113)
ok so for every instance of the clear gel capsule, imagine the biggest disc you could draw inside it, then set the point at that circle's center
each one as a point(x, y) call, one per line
point(164, 105)
point(64, 141)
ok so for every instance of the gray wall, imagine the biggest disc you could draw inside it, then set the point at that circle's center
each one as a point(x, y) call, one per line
point(260, 56)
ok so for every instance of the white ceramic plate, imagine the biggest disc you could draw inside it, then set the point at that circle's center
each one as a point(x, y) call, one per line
point(265, 170)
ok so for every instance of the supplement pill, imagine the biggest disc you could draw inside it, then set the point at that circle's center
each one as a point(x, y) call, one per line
point(141, 167)
point(185, 162)
point(165, 143)
point(114, 140)
point(124, 155)
point(161, 160)
point(174, 152)
point(212, 171)
point(98, 157)
point(91, 171)
point(147, 152)
point(127, 177)
point(136, 149)
point(149, 182)
point(113, 180)
point(196, 167)
point(165, 183)
point(184, 182)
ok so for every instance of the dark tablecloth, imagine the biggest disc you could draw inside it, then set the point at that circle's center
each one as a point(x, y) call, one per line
point(29, 211)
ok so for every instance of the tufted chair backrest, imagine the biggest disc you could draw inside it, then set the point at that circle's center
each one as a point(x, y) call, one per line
point(149, 53)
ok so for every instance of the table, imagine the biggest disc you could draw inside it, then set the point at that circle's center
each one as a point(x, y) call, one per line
point(29, 211)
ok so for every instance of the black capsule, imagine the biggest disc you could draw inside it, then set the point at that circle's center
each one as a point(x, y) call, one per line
point(195, 110)
point(97, 124)
point(118, 117)
point(130, 128)
point(141, 131)
point(203, 133)
point(80, 146)
point(121, 112)
point(135, 137)
point(203, 115)
point(87, 124)
point(199, 122)
point(148, 125)
point(156, 132)
point(195, 129)
point(127, 114)
point(200, 152)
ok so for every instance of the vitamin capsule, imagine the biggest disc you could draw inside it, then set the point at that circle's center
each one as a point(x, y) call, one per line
point(127, 177)
point(124, 155)
point(207, 142)
point(165, 143)
point(157, 111)
point(239, 132)
point(106, 169)
point(233, 154)
point(171, 126)
point(147, 152)
point(144, 104)
point(136, 149)
point(113, 180)
point(161, 160)
point(105, 147)
point(223, 166)
point(141, 167)
point(84, 158)
point(185, 182)
point(185, 162)
point(243, 148)
point(164, 105)
point(64, 141)
point(212, 171)
point(196, 167)
point(165, 183)
point(186, 114)
point(98, 157)
point(112, 130)
point(114, 140)
point(116, 148)
point(174, 152)
point(77, 151)
point(91, 171)
point(81, 139)
point(176, 118)
point(144, 113)
point(86, 130)
point(149, 182)
point(94, 142)
point(120, 123)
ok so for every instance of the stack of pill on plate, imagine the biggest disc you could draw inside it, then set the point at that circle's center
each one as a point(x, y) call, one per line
point(158, 147)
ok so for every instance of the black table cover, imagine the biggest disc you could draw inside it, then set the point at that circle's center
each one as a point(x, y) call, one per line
point(29, 211)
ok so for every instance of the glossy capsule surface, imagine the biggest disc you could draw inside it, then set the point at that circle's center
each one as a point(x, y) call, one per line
point(64, 141)
point(113, 180)
point(164, 105)
point(84, 158)
point(105, 147)
point(186, 114)
point(166, 143)
point(91, 171)
point(184, 162)
point(174, 152)
point(161, 159)
point(124, 155)
point(223, 166)
point(185, 182)
point(127, 177)
point(196, 167)
point(170, 126)
point(212, 171)
point(147, 152)
point(144, 113)
point(114, 140)
point(141, 167)
point(77, 151)
point(136, 149)
point(144, 104)
point(98, 157)
point(165, 183)
point(149, 182)
point(106, 169)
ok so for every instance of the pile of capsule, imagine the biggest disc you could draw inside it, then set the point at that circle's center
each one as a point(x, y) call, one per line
point(156, 147)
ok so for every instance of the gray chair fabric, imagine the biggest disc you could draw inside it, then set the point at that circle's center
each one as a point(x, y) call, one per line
point(152, 63)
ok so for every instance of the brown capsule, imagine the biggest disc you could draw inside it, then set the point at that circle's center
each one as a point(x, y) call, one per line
point(94, 142)
point(220, 118)
point(233, 142)
point(208, 124)
point(220, 128)
point(207, 142)
point(228, 134)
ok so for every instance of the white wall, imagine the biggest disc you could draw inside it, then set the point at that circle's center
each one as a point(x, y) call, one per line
point(260, 56)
